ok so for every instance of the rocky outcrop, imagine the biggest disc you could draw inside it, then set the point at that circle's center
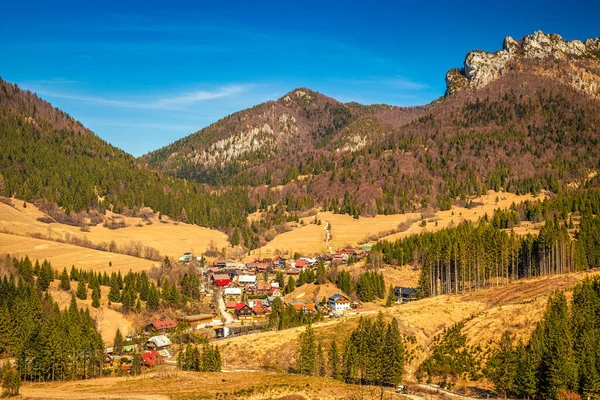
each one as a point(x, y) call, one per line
point(481, 67)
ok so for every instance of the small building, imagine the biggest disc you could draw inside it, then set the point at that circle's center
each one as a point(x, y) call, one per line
point(259, 310)
point(300, 263)
point(242, 310)
point(247, 279)
point(305, 308)
point(405, 294)
point(198, 321)
point(337, 302)
point(151, 358)
point(230, 305)
point(233, 291)
point(160, 342)
point(275, 292)
point(161, 326)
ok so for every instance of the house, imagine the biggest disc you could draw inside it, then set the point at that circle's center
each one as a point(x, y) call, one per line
point(151, 358)
point(242, 310)
point(263, 287)
point(159, 342)
point(405, 294)
point(161, 326)
point(305, 308)
point(230, 305)
point(275, 292)
point(247, 279)
point(292, 271)
point(186, 258)
point(337, 302)
point(233, 291)
point(198, 321)
point(259, 310)
point(300, 263)
point(219, 277)
point(251, 266)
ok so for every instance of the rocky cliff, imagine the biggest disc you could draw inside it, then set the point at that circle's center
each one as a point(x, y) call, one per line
point(574, 62)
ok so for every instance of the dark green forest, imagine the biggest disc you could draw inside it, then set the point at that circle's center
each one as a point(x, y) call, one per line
point(47, 343)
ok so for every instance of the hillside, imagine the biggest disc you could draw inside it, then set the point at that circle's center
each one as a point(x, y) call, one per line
point(47, 155)
point(528, 123)
point(300, 123)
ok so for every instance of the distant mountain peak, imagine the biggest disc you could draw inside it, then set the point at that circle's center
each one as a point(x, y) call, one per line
point(538, 53)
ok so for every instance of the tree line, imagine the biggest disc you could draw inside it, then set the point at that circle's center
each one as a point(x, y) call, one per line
point(373, 353)
point(470, 257)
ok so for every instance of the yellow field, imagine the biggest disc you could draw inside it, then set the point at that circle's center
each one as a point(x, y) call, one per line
point(445, 219)
point(305, 239)
point(168, 238)
point(349, 232)
point(64, 255)
point(167, 383)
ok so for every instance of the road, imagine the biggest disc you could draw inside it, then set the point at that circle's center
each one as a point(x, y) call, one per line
point(228, 317)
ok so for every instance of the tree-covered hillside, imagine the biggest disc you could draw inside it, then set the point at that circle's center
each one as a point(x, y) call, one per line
point(45, 154)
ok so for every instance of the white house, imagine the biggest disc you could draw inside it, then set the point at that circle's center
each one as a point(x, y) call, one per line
point(247, 279)
point(159, 342)
point(233, 291)
point(337, 302)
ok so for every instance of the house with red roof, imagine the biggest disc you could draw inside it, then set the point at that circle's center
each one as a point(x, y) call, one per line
point(151, 358)
point(301, 263)
point(161, 326)
point(259, 310)
point(242, 310)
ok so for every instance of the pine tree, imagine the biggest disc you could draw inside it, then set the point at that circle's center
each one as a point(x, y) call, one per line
point(321, 362)
point(96, 296)
point(334, 361)
point(45, 277)
point(81, 290)
point(391, 297)
point(118, 342)
point(153, 298)
point(306, 358)
point(502, 366)
point(114, 295)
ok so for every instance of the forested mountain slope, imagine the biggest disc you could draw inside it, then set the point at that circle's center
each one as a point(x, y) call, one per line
point(519, 119)
point(46, 154)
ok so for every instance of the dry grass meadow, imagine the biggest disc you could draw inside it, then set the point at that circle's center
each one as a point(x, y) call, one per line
point(30, 237)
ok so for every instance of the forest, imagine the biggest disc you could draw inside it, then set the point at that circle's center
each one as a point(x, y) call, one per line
point(470, 257)
point(47, 343)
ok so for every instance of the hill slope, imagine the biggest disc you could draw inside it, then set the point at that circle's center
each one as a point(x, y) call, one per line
point(46, 154)
point(522, 119)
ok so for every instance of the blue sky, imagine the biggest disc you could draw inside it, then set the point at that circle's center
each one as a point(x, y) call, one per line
point(143, 74)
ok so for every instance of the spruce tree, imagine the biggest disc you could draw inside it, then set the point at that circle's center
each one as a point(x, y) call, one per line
point(153, 298)
point(391, 297)
point(321, 362)
point(81, 290)
point(334, 361)
point(96, 296)
point(306, 358)
point(118, 342)
point(114, 295)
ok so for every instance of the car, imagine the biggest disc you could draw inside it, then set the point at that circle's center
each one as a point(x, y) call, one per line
point(401, 389)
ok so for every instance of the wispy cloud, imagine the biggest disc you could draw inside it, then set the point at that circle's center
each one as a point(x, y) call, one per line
point(175, 102)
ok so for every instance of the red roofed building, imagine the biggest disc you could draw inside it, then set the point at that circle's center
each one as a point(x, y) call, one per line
point(151, 358)
point(230, 305)
point(258, 310)
point(242, 310)
point(161, 326)
point(223, 282)
point(301, 263)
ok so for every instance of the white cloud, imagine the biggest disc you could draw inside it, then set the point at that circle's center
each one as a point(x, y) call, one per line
point(175, 102)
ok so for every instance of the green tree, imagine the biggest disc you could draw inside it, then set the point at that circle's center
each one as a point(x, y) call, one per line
point(81, 290)
point(118, 342)
point(391, 297)
point(334, 361)
point(96, 296)
point(306, 357)
point(65, 282)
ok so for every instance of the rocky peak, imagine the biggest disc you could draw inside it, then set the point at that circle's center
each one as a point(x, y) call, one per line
point(481, 67)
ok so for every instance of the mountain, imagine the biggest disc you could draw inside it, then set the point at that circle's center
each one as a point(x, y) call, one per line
point(300, 122)
point(46, 155)
point(522, 119)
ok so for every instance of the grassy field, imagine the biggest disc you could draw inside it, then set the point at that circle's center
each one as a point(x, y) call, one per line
point(171, 384)
point(349, 232)
point(168, 237)
point(64, 255)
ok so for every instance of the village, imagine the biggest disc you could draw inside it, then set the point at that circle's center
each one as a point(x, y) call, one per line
point(243, 297)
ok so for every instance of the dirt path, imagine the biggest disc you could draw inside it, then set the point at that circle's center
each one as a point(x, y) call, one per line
point(228, 317)
point(327, 236)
